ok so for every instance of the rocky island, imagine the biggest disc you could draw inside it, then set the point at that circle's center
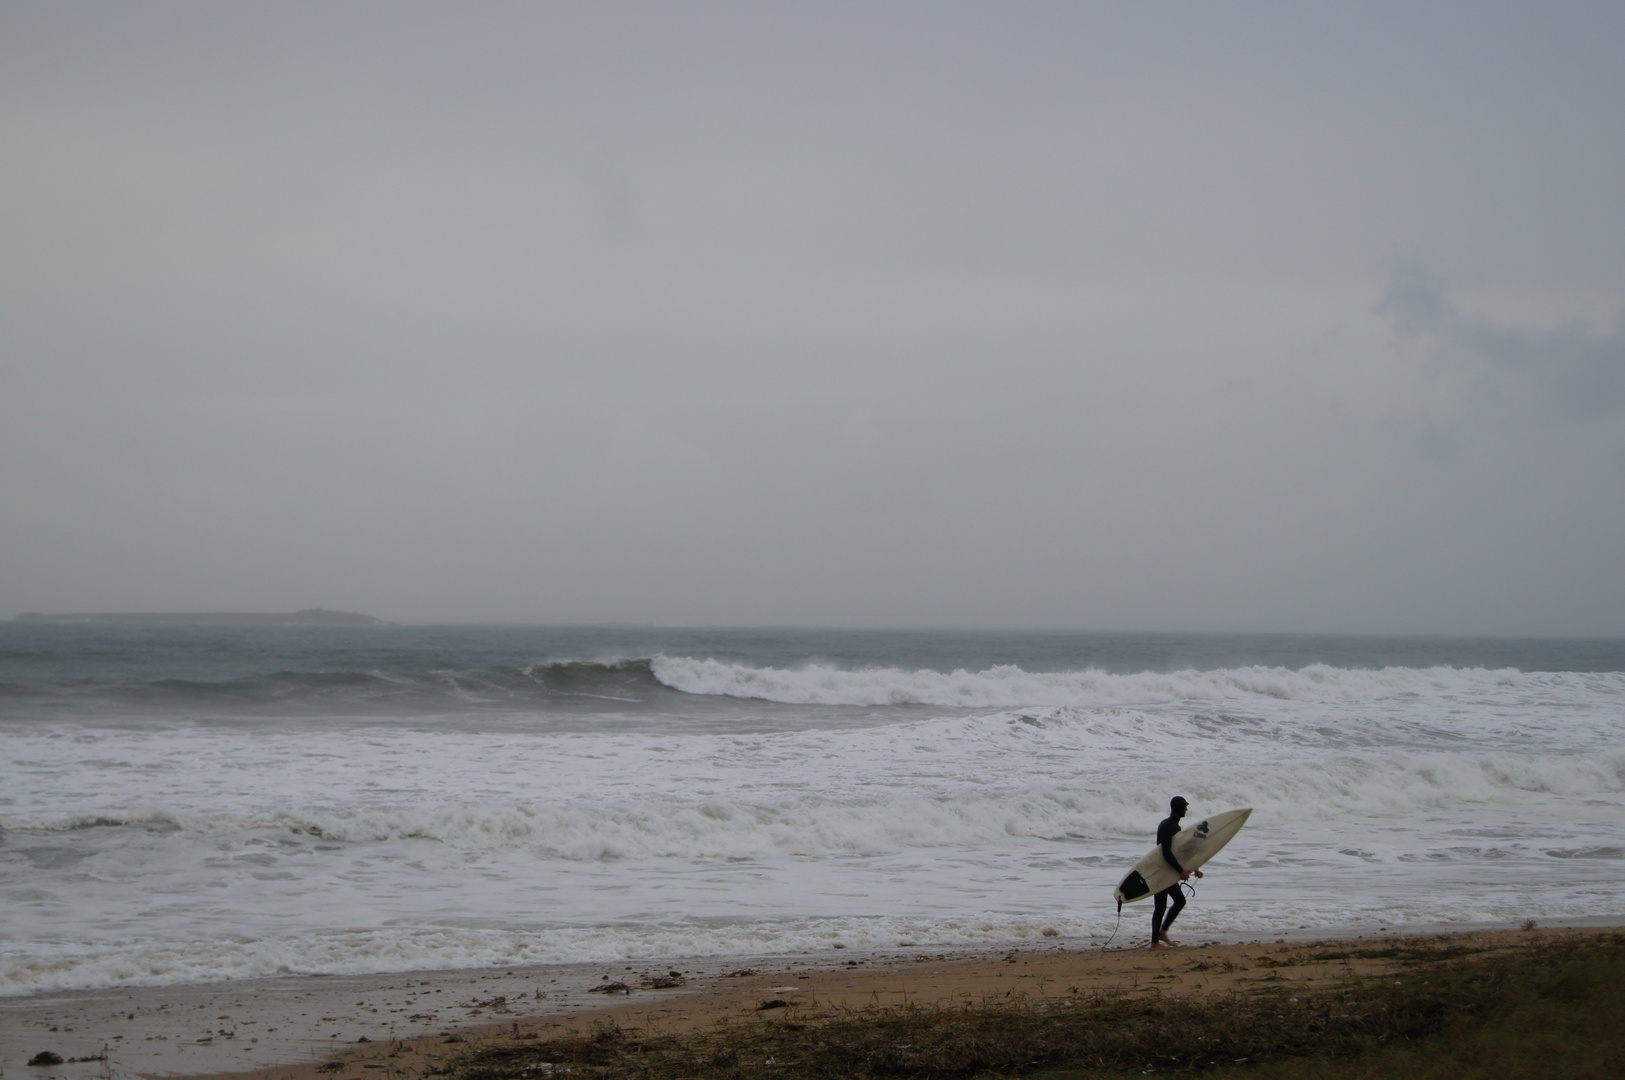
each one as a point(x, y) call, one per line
point(307, 617)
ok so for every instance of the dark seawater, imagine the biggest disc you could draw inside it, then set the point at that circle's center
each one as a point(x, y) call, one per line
point(54, 670)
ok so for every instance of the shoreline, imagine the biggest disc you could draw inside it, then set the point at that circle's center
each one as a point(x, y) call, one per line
point(294, 1028)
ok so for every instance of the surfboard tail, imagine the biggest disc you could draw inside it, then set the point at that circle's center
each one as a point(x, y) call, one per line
point(1132, 887)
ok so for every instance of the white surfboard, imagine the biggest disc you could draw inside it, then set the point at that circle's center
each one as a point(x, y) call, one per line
point(1193, 846)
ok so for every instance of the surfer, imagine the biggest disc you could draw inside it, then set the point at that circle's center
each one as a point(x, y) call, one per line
point(1165, 839)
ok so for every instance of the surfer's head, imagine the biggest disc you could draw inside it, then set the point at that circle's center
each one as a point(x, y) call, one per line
point(1177, 805)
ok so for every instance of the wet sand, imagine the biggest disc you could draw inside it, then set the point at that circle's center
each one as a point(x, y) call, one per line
point(402, 1025)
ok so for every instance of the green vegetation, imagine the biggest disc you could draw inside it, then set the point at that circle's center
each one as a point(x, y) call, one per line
point(1540, 1010)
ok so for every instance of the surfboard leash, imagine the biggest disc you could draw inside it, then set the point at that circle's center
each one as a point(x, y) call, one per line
point(1183, 884)
point(1116, 928)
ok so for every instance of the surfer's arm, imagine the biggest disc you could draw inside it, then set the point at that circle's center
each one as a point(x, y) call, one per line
point(1168, 853)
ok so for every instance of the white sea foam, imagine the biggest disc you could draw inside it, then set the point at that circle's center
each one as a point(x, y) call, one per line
point(874, 821)
point(357, 952)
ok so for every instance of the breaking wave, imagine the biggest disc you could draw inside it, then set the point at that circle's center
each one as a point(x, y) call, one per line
point(548, 686)
point(1009, 686)
point(659, 682)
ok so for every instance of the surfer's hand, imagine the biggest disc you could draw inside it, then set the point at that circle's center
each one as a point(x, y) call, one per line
point(1198, 873)
point(1185, 875)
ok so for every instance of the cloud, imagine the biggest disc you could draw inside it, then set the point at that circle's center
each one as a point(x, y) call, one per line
point(1414, 300)
point(1575, 371)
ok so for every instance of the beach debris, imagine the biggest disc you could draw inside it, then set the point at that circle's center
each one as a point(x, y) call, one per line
point(610, 988)
point(45, 1057)
point(740, 973)
point(497, 1004)
point(774, 1003)
point(663, 982)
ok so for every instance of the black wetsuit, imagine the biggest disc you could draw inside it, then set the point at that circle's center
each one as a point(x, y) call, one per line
point(1159, 925)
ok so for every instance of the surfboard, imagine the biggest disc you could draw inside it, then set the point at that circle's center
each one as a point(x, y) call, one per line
point(1193, 846)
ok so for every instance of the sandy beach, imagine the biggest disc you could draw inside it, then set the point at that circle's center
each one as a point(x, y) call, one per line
point(402, 1025)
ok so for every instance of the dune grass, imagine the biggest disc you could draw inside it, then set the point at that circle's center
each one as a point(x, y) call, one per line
point(1553, 1008)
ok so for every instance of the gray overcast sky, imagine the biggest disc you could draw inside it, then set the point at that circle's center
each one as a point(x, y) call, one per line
point(1114, 316)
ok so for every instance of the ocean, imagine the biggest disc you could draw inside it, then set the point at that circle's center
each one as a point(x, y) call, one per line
point(183, 804)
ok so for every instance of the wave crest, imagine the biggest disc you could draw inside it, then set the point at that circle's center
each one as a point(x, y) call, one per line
point(1007, 686)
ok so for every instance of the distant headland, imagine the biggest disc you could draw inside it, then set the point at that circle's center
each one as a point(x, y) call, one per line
point(307, 617)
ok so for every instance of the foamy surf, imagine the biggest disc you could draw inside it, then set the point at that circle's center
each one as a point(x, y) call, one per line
point(757, 797)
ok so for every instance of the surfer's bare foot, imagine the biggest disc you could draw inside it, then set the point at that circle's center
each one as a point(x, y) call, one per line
point(1171, 943)
point(1162, 944)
